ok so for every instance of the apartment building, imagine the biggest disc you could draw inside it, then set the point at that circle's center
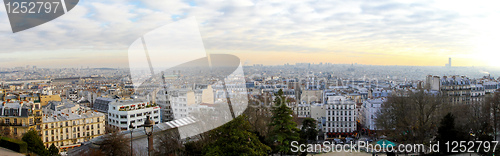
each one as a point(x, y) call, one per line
point(477, 93)
point(67, 125)
point(458, 89)
point(20, 116)
point(123, 112)
point(341, 117)
point(302, 110)
point(368, 113)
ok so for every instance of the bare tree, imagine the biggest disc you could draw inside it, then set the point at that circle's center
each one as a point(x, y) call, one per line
point(115, 144)
point(492, 105)
point(169, 143)
point(412, 116)
point(259, 115)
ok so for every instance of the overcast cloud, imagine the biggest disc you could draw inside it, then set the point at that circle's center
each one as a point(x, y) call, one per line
point(247, 28)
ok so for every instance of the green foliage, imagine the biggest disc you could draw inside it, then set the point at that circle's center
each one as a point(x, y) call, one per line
point(284, 129)
point(309, 131)
point(13, 144)
point(447, 132)
point(53, 151)
point(233, 138)
point(35, 143)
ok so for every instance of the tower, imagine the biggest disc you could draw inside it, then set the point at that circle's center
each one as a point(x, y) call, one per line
point(449, 62)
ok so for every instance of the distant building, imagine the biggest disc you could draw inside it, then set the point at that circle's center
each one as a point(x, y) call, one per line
point(302, 110)
point(449, 63)
point(45, 99)
point(101, 104)
point(310, 96)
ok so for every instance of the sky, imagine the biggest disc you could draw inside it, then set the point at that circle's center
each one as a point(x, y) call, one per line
point(271, 32)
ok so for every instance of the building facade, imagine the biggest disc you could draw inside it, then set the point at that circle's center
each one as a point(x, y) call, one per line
point(20, 116)
point(340, 117)
point(68, 125)
point(123, 112)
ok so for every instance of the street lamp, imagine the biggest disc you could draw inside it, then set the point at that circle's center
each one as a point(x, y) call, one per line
point(148, 128)
point(131, 127)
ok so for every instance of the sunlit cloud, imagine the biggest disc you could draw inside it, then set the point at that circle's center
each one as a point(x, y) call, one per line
point(366, 32)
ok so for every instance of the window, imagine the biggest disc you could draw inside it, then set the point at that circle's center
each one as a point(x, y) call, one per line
point(7, 121)
point(15, 121)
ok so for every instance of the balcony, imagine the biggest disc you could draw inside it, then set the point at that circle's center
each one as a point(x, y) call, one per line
point(127, 108)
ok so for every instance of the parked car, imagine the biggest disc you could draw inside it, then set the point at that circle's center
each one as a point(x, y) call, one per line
point(338, 141)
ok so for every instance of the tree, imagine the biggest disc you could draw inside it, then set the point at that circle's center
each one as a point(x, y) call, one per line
point(446, 131)
point(35, 143)
point(284, 129)
point(233, 138)
point(259, 115)
point(115, 144)
point(492, 105)
point(410, 116)
point(169, 143)
point(5, 130)
point(309, 130)
point(53, 151)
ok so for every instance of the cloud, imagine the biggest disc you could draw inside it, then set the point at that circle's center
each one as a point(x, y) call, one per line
point(385, 27)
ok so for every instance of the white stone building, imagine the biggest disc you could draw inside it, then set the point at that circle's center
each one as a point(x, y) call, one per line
point(123, 112)
point(341, 117)
point(368, 113)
